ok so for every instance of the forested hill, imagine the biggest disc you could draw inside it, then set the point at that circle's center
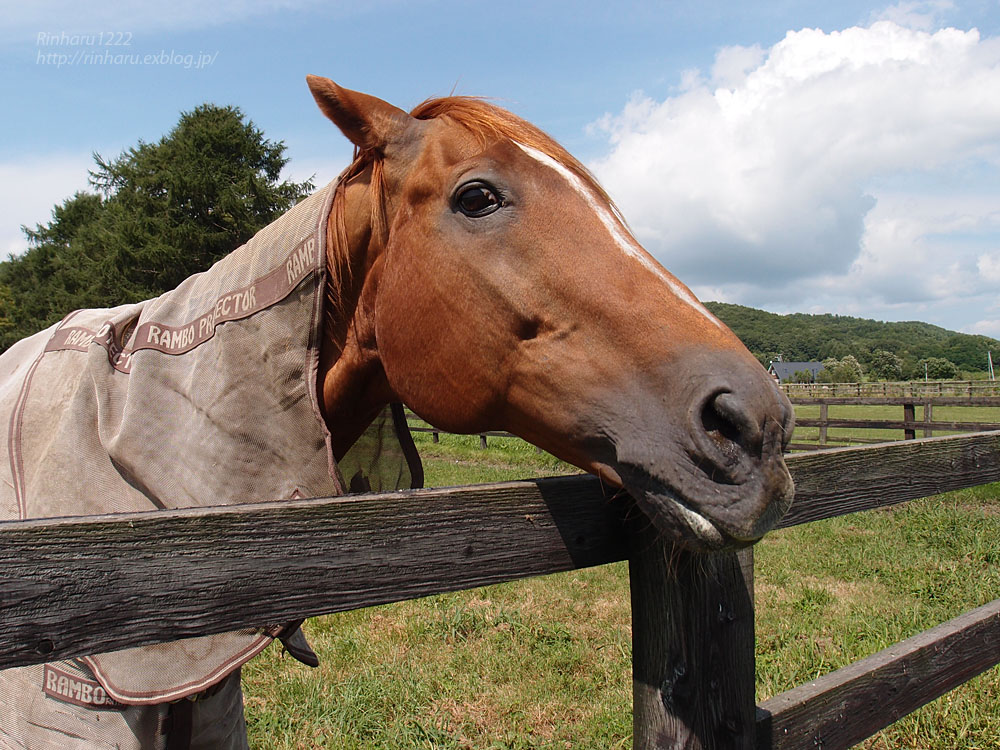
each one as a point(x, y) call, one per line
point(801, 337)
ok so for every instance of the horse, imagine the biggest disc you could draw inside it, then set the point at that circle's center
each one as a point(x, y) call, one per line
point(464, 264)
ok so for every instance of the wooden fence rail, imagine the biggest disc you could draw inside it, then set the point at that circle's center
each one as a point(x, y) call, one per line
point(417, 425)
point(909, 425)
point(844, 707)
point(70, 587)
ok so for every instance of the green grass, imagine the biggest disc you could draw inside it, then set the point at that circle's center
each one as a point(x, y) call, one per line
point(458, 459)
point(546, 662)
point(832, 592)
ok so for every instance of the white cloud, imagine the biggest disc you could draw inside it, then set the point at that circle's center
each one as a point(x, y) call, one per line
point(923, 247)
point(988, 266)
point(30, 188)
point(988, 328)
point(773, 177)
point(732, 64)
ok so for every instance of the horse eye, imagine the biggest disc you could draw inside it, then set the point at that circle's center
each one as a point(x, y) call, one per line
point(478, 200)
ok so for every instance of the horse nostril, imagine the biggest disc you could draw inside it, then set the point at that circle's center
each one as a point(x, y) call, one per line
point(717, 425)
point(729, 426)
point(529, 329)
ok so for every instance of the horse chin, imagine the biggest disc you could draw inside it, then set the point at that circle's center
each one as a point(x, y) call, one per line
point(680, 518)
point(670, 502)
point(677, 521)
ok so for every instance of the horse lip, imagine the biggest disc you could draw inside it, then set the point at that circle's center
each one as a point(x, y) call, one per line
point(674, 514)
point(666, 507)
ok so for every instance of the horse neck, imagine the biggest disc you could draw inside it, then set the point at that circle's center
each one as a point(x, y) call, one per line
point(352, 385)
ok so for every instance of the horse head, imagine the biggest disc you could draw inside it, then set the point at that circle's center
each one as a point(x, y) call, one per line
point(481, 276)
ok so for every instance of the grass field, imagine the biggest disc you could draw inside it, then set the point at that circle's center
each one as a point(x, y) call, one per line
point(546, 662)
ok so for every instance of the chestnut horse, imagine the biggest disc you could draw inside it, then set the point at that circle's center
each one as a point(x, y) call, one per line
point(474, 271)
point(489, 283)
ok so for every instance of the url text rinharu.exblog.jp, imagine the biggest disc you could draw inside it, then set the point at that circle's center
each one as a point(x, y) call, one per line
point(80, 57)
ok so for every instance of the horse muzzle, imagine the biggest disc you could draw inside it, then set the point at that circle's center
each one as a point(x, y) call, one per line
point(714, 476)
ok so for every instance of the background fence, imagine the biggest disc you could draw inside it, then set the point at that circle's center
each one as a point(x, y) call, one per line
point(70, 587)
point(914, 388)
point(416, 424)
point(870, 419)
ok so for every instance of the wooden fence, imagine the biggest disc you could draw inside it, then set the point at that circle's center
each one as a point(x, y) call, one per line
point(907, 425)
point(69, 587)
point(417, 425)
point(914, 388)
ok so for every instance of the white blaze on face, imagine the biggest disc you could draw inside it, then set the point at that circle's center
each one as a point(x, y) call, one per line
point(622, 237)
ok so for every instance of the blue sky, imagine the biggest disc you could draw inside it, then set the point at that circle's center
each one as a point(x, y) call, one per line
point(813, 157)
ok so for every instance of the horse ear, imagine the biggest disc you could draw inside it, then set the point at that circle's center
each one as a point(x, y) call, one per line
point(367, 121)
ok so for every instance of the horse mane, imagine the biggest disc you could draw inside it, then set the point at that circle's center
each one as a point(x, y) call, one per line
point(488, 123)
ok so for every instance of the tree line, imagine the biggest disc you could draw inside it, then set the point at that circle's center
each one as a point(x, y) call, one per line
point(156, 214)
point(848, 346)
point(882, 365)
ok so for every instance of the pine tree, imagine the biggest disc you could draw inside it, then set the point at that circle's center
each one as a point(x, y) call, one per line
point(162, 212)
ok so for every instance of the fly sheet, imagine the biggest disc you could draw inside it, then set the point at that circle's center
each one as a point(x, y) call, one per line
point(206, 395)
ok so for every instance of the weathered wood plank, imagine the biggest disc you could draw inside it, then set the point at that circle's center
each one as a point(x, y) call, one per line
point(68, 586)
point(909, 416)
point(844, 707)
point(76, 587)
point(846, 480)
point(692, 648)
point(809, 447)
point(838, 442)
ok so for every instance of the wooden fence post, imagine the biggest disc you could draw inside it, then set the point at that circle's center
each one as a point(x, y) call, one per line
point(909, 415)
point(928, 418)
point(482, 442)
point(692, 647)
point(824, 417)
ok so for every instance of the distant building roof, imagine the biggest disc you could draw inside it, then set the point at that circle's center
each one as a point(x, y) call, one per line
point(784, 371)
